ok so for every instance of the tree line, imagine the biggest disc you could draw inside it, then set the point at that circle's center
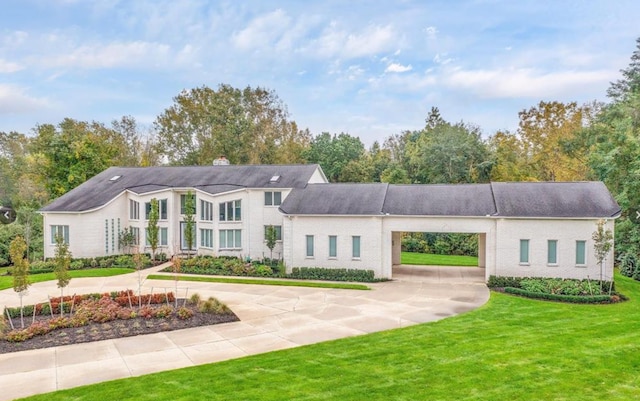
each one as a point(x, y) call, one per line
point(554, 141)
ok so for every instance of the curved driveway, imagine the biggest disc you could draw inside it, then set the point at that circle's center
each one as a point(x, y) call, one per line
point(271, 318)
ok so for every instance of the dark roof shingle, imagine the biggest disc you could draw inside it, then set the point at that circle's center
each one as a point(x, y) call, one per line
point(99, 190)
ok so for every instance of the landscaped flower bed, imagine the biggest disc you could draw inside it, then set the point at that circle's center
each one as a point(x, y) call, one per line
point(231, 266)
point(556, 289)
point(95, 317)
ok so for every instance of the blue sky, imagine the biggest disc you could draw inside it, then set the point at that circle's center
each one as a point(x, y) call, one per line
point(368, 68)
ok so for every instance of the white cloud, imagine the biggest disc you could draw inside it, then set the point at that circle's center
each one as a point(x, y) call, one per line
point(524, 82)
point(14, 100)
point(335, 42)
point(7, 67)
point(263, 31)
point(395, 67)
point(111, 55)
point(431, 31)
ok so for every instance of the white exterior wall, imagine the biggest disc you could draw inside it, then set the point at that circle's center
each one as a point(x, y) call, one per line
point(344, 228)
point(87, 234)
point(538, 232)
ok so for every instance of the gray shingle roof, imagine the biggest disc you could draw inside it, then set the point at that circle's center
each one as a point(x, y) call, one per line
point(336, 199)
point(554, 199)
point(99, 190)
point(500, 199)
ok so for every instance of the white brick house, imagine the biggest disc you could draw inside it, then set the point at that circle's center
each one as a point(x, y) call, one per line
point(525, 229)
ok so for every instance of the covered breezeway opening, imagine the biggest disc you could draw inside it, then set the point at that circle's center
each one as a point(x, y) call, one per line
point(436, 256)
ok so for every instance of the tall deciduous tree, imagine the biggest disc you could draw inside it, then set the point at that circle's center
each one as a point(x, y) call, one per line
point(630, 81)
point(544, 130)
point(20, 270)
point(271, 236)
point(602, 243)
point(334, 153)
point(248, 126)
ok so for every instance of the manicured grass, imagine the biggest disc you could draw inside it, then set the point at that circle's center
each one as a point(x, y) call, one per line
point(510, 349)
point(286, 283)
point(7, 281)
point(412, 258)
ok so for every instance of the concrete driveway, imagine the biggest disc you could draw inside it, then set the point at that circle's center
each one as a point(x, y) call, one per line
point(271, 318)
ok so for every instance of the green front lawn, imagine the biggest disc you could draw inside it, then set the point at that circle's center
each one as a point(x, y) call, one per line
point(412, 258)
point(258, 281)
point(510, 349)
point(7, 281)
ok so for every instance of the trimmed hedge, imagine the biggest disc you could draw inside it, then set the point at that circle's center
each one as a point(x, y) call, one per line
point(551, 285)
point(100, 262)
point(576, 299)
point(320, 273)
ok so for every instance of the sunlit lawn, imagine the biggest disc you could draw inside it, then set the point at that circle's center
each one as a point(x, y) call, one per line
point(510, 349)
point(412, 258)
point(7, 281)
point(258, 281)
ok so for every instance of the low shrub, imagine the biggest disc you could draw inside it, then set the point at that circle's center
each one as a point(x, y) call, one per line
point(578, 299)
point(184, 313)
point(321, 273)
point(194, 299)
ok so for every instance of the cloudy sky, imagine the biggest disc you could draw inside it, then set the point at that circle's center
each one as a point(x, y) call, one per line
point(369, 68)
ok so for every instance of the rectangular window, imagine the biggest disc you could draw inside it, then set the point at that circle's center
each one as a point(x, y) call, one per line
point(355, 245)
point(183, 237)
point(524, 251)
point(183, 202)
point(206, 210)
point(162, 209)
point(581, 252)
point(162, 206)
point(230, 239)
point(206, 237)
point(62, 231)
point(164, 236)
point(230, 211)
point(552, 251)
point(278, 232)
point(272, 198)
point(310, 246)
point(147, 210)
point(333, 246)
point(136, 235)
point(134, 210)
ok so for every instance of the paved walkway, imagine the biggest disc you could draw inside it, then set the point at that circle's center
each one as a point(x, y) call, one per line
point(271, 318)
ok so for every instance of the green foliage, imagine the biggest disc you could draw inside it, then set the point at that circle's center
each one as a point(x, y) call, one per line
point(62, 262)
point(441, 243)
point(248, 126)
point(189, 219)
point(20, 269)
point(320, 273)
point(629, 266)
point(271, 236)
point(334, 153)
point(574, 299)
point(152, 227)
point(502, 282)
point(126, 239)
point(553, 286)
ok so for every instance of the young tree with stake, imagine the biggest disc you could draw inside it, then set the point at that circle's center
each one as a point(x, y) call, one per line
point(20, 270)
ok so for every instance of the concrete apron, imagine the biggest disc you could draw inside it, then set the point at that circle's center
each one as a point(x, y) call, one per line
point(271, 318)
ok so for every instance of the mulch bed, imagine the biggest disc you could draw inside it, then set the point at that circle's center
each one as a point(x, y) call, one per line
point(112, 329)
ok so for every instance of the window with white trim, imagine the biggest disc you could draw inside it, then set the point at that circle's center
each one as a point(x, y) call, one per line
point(272, 198)
point(206, 210)
point(581, 253)
point(206, 237)
point(230, 211)
point(333, 246)
point(60, 230)
point(230, 239)
point(278, 232)
point(355, 247)
point(524, 251)
point(134, 210)
point(164, 236)
point(136, 235)
point(552, 251)
point(310, 246)
point(183, 203)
